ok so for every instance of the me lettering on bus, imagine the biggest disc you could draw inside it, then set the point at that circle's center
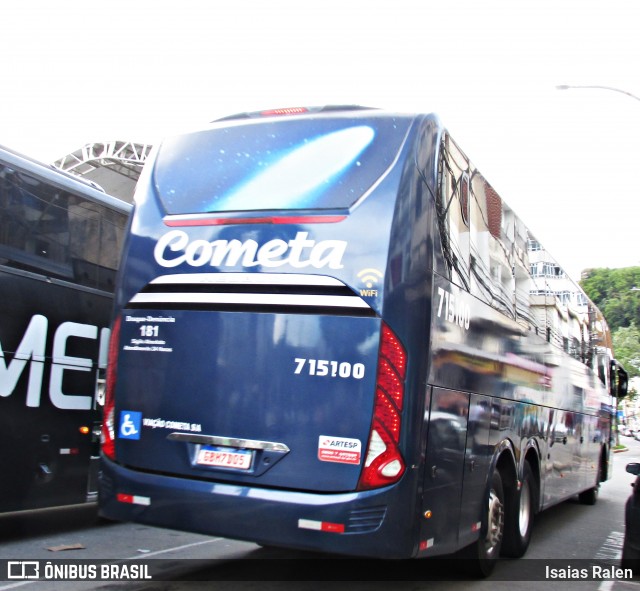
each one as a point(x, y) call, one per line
point(31, 350)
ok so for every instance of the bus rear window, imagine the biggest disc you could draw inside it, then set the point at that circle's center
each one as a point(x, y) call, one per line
point(283, 164)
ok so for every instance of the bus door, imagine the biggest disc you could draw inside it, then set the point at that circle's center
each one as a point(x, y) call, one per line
point(478, 455)
point(592, 437)
point(563, 457)
point(444, 467)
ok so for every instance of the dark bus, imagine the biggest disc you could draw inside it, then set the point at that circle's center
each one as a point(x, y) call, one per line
point(329, 336)
point(60, 243)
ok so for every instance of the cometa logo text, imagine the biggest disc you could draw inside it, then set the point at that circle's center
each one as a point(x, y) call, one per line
point(174, 248)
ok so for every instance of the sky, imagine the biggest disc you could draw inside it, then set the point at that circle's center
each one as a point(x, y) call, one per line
point(565, 161)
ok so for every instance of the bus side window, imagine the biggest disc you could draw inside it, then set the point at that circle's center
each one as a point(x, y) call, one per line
point(494, 233)
point(34, 230)
point(97, 241)
point(604, 366)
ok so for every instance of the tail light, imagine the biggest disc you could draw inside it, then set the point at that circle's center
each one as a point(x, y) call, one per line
point(107, 438)
point(384, 464)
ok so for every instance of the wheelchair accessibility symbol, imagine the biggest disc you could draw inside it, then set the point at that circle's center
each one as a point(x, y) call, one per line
point(130, 421)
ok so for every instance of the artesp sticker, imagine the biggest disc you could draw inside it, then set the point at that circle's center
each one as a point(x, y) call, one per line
point(339, 449)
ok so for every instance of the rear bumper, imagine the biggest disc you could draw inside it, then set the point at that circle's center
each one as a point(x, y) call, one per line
point(357, 524)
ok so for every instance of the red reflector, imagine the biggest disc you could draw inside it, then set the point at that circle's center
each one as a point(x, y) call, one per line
point(286, 111)
point(133, 499)
point(336, 528)
point(303, 219)
point(333, 527)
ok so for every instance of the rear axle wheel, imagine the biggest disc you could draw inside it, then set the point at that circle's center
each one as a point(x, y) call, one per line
point(481, 556)
point(521, 506)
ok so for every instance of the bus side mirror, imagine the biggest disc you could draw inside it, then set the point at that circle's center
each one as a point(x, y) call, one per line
point(633, 468)
point(619, 380)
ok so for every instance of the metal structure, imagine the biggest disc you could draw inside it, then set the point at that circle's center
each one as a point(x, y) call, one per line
point(114, 165)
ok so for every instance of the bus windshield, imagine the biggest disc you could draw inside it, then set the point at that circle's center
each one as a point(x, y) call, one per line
point(287, 166)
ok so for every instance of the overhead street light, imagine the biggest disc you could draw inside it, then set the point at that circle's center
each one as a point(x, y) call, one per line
point(568, 86)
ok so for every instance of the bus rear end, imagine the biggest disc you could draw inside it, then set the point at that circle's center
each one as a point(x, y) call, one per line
point(257, 386)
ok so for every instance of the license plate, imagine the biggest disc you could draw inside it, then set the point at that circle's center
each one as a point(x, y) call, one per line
point(224, 457)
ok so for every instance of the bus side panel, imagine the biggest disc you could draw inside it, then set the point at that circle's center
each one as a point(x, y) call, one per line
point(561, 477)
point(478, 454)
point(444, 467)
point(477, 349)
point(591, 450)
point(45, 457)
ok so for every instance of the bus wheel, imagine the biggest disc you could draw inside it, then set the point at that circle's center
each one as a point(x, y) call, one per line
point(519, 516)
point(590, 496)
point(481, 556)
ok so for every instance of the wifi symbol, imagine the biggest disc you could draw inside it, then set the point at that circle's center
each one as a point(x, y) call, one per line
point(370, 276)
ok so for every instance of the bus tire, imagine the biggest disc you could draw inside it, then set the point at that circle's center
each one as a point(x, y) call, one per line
point(481, 556)
point(590, 496)
point(520, 511)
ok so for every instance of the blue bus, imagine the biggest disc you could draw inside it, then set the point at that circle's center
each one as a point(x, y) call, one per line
point(60, 241)
point(328, 336)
